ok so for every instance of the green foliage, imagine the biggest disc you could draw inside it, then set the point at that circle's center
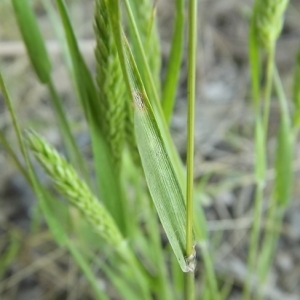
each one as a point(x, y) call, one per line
point(124, 105)
point(296, 92)
point(33, 39)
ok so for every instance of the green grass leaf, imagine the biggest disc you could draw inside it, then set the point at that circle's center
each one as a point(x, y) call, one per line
point(296, 92)
point(148, 83)
point(84, 266)
point(160, 175)
point(33, 39)
point(174, 62)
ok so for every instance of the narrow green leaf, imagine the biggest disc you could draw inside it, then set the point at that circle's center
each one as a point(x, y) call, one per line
point(160, 175)
point(296, 92)
point(254, 60)
point(13, 155)
point(174, 62)
point(144, 12)
point(83, 264)
point(260, 155)
point(54, 20)
point(284, 169)
point(163, 183)
point(148, 83)
point(9, 255)
point(33, 39)
point(285, 146)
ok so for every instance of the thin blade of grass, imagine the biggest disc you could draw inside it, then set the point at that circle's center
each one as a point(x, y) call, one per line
point(282, 188)
point(296, 93)
point(160, 175)
point(284, 153)
point(13, 155)
point(33, 39)
point(174, 62)
point(148, 83)
point(144, 12)
point(11, 252)
point(54, 20)
point(254, 60)
point(121, 277)
point(260, 155)
point(84, 266)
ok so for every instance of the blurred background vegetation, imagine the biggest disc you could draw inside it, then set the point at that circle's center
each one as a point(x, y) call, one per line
point(31, 264)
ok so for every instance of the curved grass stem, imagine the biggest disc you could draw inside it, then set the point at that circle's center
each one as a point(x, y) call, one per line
point(261, 133)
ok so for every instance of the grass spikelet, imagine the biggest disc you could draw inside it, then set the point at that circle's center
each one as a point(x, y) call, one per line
point(111, 84)
point(268, 15)
point(75, 190)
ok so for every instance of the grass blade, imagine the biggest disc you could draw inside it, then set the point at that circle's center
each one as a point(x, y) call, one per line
point(160, 175)
point(296, 93)
point(33, 39)
point(148, 83)
point(82, 263)
point(174, 63)
point(284, 153)
point(144, 12)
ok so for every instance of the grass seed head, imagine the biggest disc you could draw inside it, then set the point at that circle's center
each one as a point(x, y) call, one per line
point(268, 17)
point(75, 190)
point(111, 84)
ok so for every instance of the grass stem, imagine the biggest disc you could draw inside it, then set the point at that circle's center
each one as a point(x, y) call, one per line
point(268, 87)
point(189, 286)
point(192, 46)
point(261, 129)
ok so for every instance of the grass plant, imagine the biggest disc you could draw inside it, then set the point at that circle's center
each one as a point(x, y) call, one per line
point(137, 193)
